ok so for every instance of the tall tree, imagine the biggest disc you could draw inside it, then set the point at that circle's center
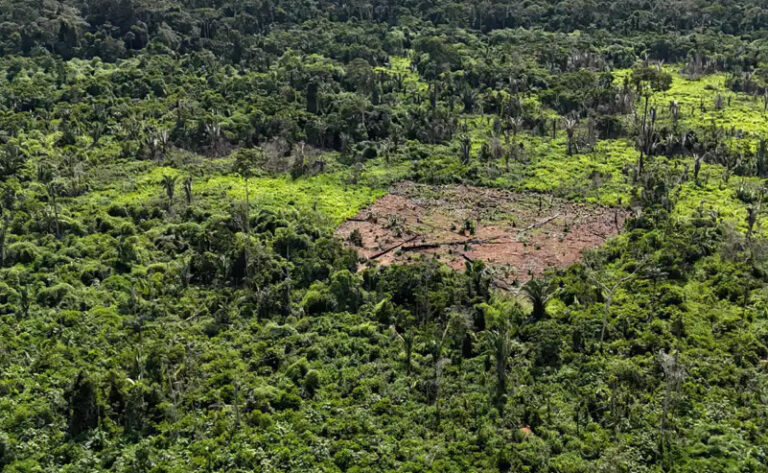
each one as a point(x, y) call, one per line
point(538, 293)
point(83, 406)
point(169, 185)
point(246, 165)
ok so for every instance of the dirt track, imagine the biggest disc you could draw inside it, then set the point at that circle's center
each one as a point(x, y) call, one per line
point(519, 235)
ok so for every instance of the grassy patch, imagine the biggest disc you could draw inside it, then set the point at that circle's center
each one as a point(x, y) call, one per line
point(595, 177)
point(327, 193)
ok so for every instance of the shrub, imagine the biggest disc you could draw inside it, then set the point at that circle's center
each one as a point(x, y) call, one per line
point(263, 397)
point(297, 370)
point(22, 252)
point(318, 300)
point(287, 401)
point(356, 238)
point(344, 287)
point(311, 382)
point(8, 295)
point(54, 295)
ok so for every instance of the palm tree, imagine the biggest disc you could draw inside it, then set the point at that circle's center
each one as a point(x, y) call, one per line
point(674, 110)
point(53, 189)
point(609, 291)
point(169, 184)
point(500, 347)
point(408, 338)
point(761, 157)
point(516, 124)
point(696, 168)
point(97, 130)
point(438, 344)
point(246, 163)
point(655, 273)
point(11, 160)
point(538, 294)
point(213, 130)
point(469, 99)
point(98, 122)
point(751, 220)
point(466, 146)
point(500, 344)
point(188, 189)
point(24, 302)
point(674, 375)
point(3, 240)
point(570, 128)
point(718, 102)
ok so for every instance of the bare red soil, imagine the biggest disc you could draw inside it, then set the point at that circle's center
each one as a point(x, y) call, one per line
point(519, 235)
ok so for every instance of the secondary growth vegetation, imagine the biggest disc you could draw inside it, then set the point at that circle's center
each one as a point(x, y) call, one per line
point(191, 222)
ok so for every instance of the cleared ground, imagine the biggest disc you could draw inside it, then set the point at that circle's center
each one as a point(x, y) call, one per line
point(519, 235)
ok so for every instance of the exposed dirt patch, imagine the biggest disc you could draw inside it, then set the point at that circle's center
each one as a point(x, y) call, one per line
point(519, 235)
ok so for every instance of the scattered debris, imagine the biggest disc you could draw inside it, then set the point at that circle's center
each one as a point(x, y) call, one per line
point(512, 232)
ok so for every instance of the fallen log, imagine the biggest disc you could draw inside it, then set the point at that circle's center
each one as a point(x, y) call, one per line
point(502, 285)
point(384, 252)
point(436, 244)
point(540, 223)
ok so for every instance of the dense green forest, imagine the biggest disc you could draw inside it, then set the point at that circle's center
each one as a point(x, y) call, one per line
point(174, 295)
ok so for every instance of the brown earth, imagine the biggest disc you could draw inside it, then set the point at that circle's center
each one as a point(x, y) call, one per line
point(519, 235)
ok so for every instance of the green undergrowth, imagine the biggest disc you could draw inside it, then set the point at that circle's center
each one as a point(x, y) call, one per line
point(713, 198)
point(697, 99)
point(335, 195)
point(328, 194)
point(401, 66)
point(594, 177)
point(706, 104)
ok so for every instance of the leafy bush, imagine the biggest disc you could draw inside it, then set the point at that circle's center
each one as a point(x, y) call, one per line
point(54, 295)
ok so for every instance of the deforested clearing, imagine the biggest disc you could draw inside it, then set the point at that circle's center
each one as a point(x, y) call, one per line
point(520, 235)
